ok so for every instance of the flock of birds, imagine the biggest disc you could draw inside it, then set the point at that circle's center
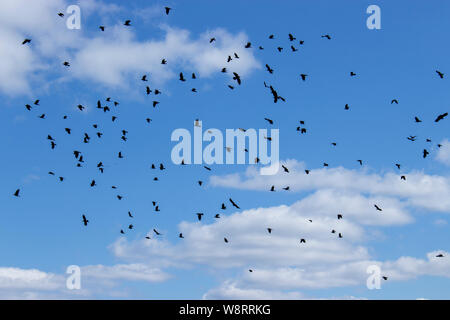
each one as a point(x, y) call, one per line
point(79, 156)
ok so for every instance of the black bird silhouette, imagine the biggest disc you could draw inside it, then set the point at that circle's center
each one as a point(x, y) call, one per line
point(352, 74)
point(302, 240)
point(326, 36)
point(217, 216)
point(182, 77)
point(272, 188)
point(441, 75)
point(269, 230)
point(285, 169)
point(225, 239)
point(156, 232)
point(102, 28)
point(440, 255)
point(275, 95)
point(291, 37)
point(441, 117)
point(398, 165)
point(286, 188)
point(339, 216)
point(234, 204)
point(248, 45)
point(85, 221)
point(269, 69)
point(212, 40)
point(360, 162)
point(403, 178)
point(26, 41)
point(377, 207)
point(199, 216)
point(66, 63)
point(280, 49)
point(269, 120)
point(167, 10)
point(16, 194)
point(303, 76)
point(130, 215)
point(37, 102)
point(425, 153)
point(127, 23)
point(394, 101)
point(271, 36)
point(237, 78)
point(144, 77)
point(417, 119)
point(180, 236)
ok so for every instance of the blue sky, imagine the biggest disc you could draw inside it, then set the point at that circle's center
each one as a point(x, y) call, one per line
point(43, 231)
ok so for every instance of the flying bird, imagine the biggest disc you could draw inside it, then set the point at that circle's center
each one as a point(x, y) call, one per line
point(85, 221)
point(441, 117)
point(234, 204)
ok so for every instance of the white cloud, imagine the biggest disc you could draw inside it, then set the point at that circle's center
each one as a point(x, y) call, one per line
point(132, 272)
point(109, 58)
point(229, 291)
point(15, 278)
point(430, 192)
point(279, 283)
point(250, 244)
point(16, 283)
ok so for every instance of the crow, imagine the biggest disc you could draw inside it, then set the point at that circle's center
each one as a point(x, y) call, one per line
point(85, 221)
point(234, 204)
point(441, 117)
